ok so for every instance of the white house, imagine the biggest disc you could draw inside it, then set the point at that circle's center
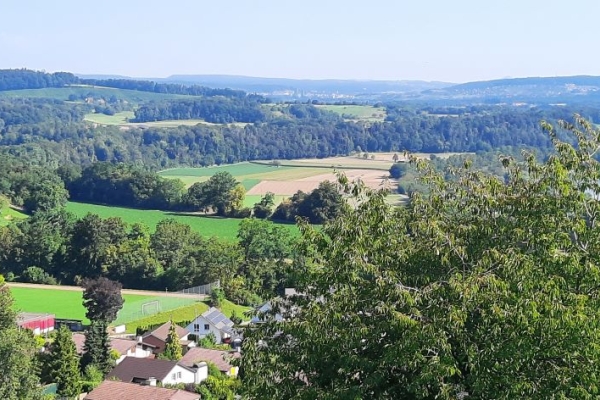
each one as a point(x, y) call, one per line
point(150, 371)
point(215, 322)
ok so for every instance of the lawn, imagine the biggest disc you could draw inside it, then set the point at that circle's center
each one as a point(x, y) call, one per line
point(116, 119)
point(62, 303)
point(224, 228)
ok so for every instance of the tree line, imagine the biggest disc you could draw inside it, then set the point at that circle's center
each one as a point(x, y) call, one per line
point(56, 247)
point(215, 110)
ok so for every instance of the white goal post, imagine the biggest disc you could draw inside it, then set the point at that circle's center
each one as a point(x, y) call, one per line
point(151, 307)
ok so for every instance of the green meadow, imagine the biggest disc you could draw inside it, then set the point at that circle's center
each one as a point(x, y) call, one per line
point(224, 228)
point(365, 113)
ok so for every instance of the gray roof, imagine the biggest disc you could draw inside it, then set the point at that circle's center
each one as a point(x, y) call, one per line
point(219, 320)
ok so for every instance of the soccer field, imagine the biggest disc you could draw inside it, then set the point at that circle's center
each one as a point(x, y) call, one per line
point(65, 304)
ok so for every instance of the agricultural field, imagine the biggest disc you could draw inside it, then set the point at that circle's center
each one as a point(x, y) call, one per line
point(224, 228)
point(290, 176)
point(63, 303)
point(357, 112)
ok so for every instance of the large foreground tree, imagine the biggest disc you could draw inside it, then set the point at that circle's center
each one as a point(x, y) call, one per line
point(483, 289)
point(18, 378)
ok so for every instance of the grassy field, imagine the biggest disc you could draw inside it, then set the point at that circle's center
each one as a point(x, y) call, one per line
point(351, 112)
point(224, 228)
point(132, 96)
point(184, 314)
point(62, 303)
point(122, 119)
point(8, 215)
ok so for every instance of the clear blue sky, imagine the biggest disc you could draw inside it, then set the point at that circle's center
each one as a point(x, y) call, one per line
point(447, 40)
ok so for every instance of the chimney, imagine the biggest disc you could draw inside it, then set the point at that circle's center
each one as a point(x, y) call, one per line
point(152, 381)
point(201, 372)
point(139, 339)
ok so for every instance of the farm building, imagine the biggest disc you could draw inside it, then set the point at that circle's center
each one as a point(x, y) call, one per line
point(38, 323)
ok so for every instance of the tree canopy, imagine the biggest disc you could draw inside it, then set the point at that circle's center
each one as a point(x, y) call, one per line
point(483, 289)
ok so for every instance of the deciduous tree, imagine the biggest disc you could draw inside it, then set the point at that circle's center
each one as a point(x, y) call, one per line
point(482, 289)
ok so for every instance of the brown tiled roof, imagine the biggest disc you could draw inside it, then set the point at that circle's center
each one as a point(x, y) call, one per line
point(118, 344)
point(162, 332)
point(217, 357)
point(122, 345)
point(114, 390)
point(142, 368)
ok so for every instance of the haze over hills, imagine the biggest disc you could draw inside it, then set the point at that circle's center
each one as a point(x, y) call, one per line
point(572, 89)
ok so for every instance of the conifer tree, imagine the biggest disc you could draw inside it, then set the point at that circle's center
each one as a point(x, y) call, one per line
point(97, 347)
point(63, 364)
point(172, 345)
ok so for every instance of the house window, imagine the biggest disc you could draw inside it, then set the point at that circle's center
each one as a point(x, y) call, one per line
point(179, 375)
point(173, 376)
point(196, 327)
point(206, 327)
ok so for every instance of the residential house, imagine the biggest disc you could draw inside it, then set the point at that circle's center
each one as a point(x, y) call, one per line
point(125, 347)
point(215, 322)
point(222, 359)
point(150, 370)
point(114, 390)
point(158, 337)
point(265, 308)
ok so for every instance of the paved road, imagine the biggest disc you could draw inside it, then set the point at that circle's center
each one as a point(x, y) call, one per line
point(124, 291)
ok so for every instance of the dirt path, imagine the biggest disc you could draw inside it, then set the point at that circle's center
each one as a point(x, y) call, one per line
point(148, 293)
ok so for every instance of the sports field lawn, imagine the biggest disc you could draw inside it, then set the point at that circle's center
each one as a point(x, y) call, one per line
point(62, 303)
point(224, 228)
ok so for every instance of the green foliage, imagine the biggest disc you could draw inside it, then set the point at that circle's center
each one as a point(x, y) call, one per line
point(18, 377)
point(398, 170)
point(97, 347)
point(92, 377)
point(485, 288)
point(38, 275)
point(102, 299)
point(173, 349)
point(264, 208)
point(218, 386)
point(221, 193)
point(321, 205)
point(216, 297)
point(63, 364)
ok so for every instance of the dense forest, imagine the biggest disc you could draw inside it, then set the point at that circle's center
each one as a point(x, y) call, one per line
point(55, 133)
point(215, 110)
